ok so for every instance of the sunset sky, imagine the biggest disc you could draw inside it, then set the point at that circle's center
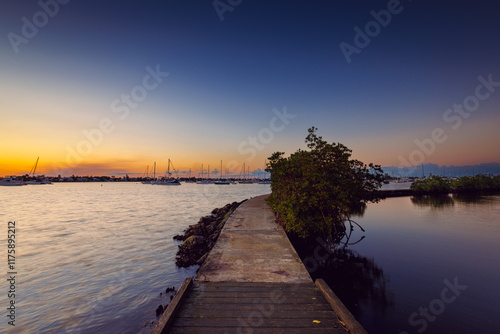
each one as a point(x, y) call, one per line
point(102, 87)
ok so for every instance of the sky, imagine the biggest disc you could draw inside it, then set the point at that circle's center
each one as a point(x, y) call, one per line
point(108, 87)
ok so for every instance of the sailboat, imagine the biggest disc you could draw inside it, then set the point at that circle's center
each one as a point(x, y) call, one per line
point(220, 180)
point(189, 179)
point(205, 181)
point(169, 181)
point(148, 179)
point(34, 179)
point(245, 180)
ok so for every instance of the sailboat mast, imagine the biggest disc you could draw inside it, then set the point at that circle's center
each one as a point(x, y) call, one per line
point(34, 168)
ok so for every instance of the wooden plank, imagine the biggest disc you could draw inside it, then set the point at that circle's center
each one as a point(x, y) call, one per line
point(167, 317)
point(256, 320)
point(247, 307)
point(308, 306)
point(274, 312)
point(243, 288)
point(271, 294)
point(351, 323)
point(255, 330)
point(253, 301)
point(222, 285)
point(228, 309)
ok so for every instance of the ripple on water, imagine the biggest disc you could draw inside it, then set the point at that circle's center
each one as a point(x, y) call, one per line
point(95, 258)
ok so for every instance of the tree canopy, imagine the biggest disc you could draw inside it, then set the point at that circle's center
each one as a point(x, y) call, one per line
point(316, 191)
point(435, 184)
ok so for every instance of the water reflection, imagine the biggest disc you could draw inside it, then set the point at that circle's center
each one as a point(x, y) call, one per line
point(474, 198)
point(434, 201)
point(418, 243)
point(443, 201)
point(358, 210)
point(356, 279)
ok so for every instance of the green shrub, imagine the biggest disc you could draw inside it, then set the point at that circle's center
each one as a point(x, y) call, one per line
point(439, 185)
point(432, 185)
point(477, 183)
point(315, 191)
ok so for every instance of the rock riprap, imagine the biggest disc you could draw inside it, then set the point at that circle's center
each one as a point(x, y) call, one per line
point(199, 239)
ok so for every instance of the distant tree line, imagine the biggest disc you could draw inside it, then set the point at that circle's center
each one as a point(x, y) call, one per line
point(441, 185)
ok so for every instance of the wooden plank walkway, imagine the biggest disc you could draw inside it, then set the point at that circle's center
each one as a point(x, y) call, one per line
point(241, 307)
point(254, 282)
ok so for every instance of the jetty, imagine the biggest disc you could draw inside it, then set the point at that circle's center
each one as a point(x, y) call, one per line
point(253, 281)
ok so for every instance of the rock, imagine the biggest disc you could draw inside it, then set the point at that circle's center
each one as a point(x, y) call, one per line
point(207, 220)
point(191, 250)
point(159, 310)
point(193, 241)
point(201, 237)
point(211, 228)
point(194, 230)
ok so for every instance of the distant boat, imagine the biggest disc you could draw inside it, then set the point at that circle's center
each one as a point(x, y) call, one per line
point(11, 182)
point(207, 181)
point(169, 181)
point(36, 180)
point(221, 180)
point(189, 179)
point(245, 180)
point(43, 181)
point(264, 182)
point(148, 179)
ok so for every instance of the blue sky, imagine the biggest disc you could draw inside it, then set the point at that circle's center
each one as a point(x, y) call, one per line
point(225, 78)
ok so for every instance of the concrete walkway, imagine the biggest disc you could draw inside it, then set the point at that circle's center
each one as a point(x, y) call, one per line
point(253, 281)
point(253, 248)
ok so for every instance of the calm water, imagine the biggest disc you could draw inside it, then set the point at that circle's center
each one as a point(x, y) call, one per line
point(397, 279)
point(95, 257)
